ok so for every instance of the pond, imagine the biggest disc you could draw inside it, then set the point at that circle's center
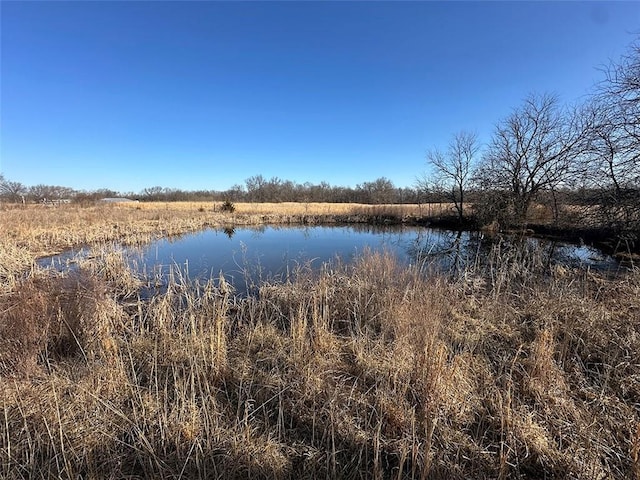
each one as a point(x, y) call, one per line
point(246, 256)
point(250, 255)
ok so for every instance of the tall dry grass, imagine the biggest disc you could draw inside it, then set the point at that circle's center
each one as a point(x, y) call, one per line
point(39, 231)
point(301, 208)
point(367, 370)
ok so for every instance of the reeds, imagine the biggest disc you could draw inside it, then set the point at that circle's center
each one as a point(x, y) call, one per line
point(365, 370)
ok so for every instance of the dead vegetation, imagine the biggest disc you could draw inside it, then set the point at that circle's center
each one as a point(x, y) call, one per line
point(36, 231)
point(366, 370)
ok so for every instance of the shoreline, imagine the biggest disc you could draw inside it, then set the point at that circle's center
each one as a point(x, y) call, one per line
point(42, 232)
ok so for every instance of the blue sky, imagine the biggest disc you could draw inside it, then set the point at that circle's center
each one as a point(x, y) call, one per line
point(202, 95)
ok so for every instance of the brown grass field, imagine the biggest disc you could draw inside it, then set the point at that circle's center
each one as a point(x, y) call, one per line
point(367, 370)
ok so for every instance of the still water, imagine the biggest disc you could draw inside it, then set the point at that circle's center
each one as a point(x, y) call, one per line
point(273, 253)
point(248, 256)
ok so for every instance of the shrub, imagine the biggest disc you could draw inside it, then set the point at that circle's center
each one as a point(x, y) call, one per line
point(228, 206)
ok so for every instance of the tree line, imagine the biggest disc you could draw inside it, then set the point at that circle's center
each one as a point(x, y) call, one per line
point(255, 189)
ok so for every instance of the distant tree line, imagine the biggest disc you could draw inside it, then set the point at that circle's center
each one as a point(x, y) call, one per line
point(259, 189)
point(255, 189)
point(16, 192)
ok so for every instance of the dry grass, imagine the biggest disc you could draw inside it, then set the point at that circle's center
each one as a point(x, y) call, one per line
point(367, 370)
point(300, 208)
point(41, 231)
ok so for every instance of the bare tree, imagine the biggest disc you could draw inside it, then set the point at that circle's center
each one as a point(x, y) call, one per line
point(380, 191)
point(534, 149)
point(49, 193)
point(452, 170)
point(12, 191)
point(152, 193)
point(621, 92)
point(614, 166)
point(255, 187)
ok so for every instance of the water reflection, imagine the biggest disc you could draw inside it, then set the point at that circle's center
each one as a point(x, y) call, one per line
point(447, 250)
point(229, 231)
point(455, 252)
point(247, 256)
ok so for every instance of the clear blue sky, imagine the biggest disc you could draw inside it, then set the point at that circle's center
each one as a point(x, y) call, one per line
point(202, 95)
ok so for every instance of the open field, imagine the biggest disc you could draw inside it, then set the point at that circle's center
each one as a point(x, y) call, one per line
point(367, 370)
point(298, 208)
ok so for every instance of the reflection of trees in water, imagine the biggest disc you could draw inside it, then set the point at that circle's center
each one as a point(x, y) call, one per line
point(229, 231)
point(531, 254)
point(452, 252)
point(368, 228)
point(457, 252)
point(442, 250)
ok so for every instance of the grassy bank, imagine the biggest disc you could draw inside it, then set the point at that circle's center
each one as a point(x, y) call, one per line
point(361, 371)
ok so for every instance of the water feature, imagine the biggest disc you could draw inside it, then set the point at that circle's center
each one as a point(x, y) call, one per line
point(272, 253)
point(250, 254)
